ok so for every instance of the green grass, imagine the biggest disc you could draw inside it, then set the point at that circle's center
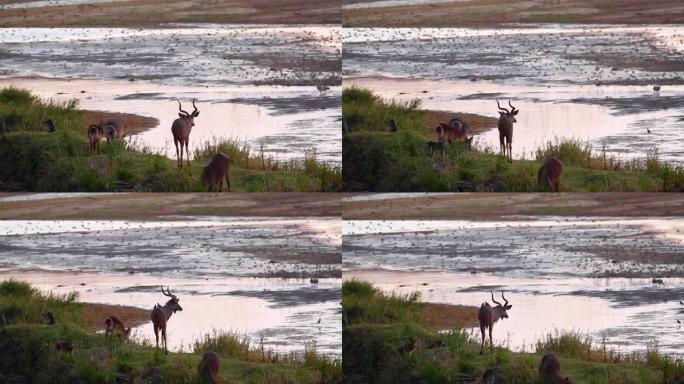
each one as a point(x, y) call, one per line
point(27, 352)
point(35, 160)
point(374, 350)
point(375, 160)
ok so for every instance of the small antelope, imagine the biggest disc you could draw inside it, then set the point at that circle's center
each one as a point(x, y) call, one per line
point(114, 129)
point(95, 135)
point(454, 131)
point(116, 327)
point(489, 315)
point(549, 174)
point(549, 369)
point(209, 367)
point(50, 318)
point(505, 125)
point(65, 346)
point(180, 129)
point(161, 314)
point(214, 172)
point(435, 146)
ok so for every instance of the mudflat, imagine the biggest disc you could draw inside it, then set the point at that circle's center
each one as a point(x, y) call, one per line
point(500, 206)
point(145, 206)
point(492, 13)
point(151, 13)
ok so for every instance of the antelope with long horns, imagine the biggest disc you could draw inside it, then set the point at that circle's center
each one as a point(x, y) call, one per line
point(505, 125)
point(116, 327)
point(549, 369)
point(95, 135)
point(180, 129)
point(161, 314)
point(489, 315)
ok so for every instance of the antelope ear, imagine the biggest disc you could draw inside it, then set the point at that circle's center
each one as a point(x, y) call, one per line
point(515, 113)
point(196, 114)
point(508, 307)
point(181, 115)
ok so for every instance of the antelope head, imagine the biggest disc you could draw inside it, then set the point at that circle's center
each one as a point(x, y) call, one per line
point(500, 309)
point(172, 304)
point(507, 115)
point(188, 116)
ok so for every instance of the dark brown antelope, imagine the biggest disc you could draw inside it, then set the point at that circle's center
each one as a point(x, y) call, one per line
point(95, 135)
point(116, 327)
point(489, 315)
point(114, 129)
point(214, 172)
point(209, 367)
point(161, 314)
point(550, 173)
point(181, 128)
point(505, 125)
point(549, 369)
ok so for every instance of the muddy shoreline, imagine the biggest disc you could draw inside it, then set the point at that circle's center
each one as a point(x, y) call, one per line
point(508, 205)
point(488, 13)
point(163, 206)
point(157, 13)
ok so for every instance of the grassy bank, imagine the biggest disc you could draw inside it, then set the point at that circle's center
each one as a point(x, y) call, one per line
point(36, 160)
point(28, 353)
point(385, 340)
point(377, 160)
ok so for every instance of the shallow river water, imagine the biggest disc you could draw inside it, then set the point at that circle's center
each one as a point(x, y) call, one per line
point(591, 275)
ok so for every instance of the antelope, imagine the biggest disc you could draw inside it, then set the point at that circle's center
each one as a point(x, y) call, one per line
point(209, 367)
point(322, 88)
point(116, 327)
point(180, 129)
point(161, 314)
point(50, 318)
point(215, 171)
point(114, 129)
point(489, 315)
point(65, 346)
point(95, 134)
point(549, 369)
point(50, 125)
point(505, 125)
point(435, 146)
point(549, 174)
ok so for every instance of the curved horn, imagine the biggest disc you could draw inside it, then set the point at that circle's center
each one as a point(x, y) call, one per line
point(166, 293)
point(500, 108)
point(195, 112)
point(512, 107)
point(169, 292)
point(495, 302)
point(503, 297)
point(179, 108)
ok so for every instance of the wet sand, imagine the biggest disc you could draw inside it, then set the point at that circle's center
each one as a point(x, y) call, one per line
point(94, 315)
point(477, 124)
point(442, 317)
point(441, 13)
point(154, 13)
point(163, 206)
point(509, 206)
point(134, 124)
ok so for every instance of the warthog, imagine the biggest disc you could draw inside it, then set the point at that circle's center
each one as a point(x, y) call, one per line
point(549, 369)
point(114, 129)
point(214, 172)
point(550, 173)
point(209, 367)
point(95, 135)
point(116, 327)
